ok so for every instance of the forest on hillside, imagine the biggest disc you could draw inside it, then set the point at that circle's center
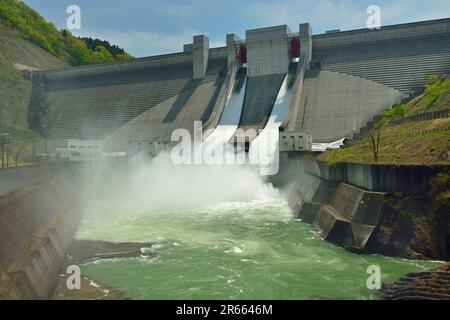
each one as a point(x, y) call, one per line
point(61, 43)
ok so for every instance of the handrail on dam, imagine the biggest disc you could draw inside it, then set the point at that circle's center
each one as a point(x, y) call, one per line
point(391, 32)
point(153, 61)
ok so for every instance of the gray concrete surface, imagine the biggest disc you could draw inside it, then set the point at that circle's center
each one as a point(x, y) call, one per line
point(200, 48)
point(195, 102)
point(335, 105)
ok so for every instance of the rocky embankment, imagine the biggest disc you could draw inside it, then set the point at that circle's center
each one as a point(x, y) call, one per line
point(416, 226)
point(424, 285)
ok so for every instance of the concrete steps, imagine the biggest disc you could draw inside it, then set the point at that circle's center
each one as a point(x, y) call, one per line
point(350, 217)
point(308, 195)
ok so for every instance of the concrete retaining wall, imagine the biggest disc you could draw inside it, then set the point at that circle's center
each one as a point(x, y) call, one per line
point(308, 194)
point(35, 273)
point(342, 213)
point(343, 202)
point(37, 224)
point(12, 179)
point(382, 178)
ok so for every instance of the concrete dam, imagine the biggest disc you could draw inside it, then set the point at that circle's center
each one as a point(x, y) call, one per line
point(339, 82)
point(310, 88)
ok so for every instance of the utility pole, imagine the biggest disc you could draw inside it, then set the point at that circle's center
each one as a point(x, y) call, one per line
point(5, 138)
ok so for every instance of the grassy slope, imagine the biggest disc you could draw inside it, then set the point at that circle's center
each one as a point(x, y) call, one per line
point(15, 89)
point(435, 97)
point(15, 49)
point(427, 148)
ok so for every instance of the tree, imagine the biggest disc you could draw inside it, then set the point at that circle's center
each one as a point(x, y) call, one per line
point(61, 43)
point(123, 56)
point(18, 150)
point(77, 50)
point(375, 139)
point(101, 55)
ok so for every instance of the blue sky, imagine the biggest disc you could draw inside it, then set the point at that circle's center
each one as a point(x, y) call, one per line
point(149, 27)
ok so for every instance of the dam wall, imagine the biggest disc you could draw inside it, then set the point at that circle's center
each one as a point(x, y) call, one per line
point(355, 75)
point(399, 56)
point(37, 224)
point(194, 100)
point(350, 76)
point(334, 105)
point(91, 102)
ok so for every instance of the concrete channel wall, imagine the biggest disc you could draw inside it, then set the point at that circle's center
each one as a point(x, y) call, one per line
point(383, 178)
point(12, 179)
point(37, 223)
point(345, 202)
point(342, 213)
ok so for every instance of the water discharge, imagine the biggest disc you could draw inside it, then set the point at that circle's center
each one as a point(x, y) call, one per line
point(229, 120)
point(221, 233)
point(264, 149)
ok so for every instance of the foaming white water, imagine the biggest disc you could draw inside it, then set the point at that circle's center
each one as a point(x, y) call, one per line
point(158, 184)
point(107, 222)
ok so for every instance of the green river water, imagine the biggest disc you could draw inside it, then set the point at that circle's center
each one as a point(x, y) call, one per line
point(232, 250)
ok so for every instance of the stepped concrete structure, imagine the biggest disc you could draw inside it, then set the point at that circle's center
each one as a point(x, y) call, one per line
point(340, 81)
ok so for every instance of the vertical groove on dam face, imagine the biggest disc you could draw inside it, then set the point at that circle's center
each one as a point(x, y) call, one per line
point(260, 96)
point(37, 223)
point(233, 108)
point(231, 114)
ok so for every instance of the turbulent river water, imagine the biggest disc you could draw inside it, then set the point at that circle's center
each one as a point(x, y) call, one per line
point(250, 249)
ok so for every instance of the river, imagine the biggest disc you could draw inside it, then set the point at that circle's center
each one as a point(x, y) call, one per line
point(250, 249)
